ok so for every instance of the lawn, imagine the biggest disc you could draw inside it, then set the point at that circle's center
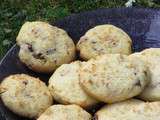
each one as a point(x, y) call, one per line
point(13, 13)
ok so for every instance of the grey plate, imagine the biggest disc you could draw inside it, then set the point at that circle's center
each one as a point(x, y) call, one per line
point(143, 25)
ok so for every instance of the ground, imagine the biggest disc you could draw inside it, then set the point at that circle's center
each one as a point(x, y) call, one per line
point(13, 13)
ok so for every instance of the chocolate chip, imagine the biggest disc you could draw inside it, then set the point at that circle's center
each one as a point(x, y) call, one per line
point(25, 82)
point(99, 51)
point(106, 84)
point(135, 73)
point(138, 83)
point(34, 31)
point(90, 82)
point(51, 50)
point(114, 44)
point(30, 48)
point(68, 52)
point(94, 48)
point(145, 72)
point(94, 42)
point(82, 39)
point(85, 39)
point(28, 95)
point(38, 56)
point(55, 61)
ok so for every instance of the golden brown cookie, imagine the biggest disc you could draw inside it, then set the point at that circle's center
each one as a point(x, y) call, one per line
point(43, 47)
point(65, 88)
point(65, 112)
point(104, 39)
point(25, 95)
point(113, 77)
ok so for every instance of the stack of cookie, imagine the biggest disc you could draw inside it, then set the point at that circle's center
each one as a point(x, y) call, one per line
point(127, 83)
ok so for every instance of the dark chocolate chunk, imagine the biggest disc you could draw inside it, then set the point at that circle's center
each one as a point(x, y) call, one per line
point(114, 44)
point(82, 39)
point(55, 61)
point(38, 56)
point(30, 48)
point(51, 50)
point(138, 83)
point(145, 72)
point(25, 82)
point(90, 82)
point(95, 49)
point(94, 42)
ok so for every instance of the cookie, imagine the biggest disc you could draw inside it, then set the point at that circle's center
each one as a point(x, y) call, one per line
point(113, 77)
point(152, 59)
point(65, 112)
point(104, 39)
point(65, 88)
point(25, 95)
point(130, 110)
point(44, 47)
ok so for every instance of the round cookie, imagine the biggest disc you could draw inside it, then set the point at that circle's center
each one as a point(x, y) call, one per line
point(152, 59)
point(104, 39)
point(65, 88)
point(65, 112)
point(25, 95)
point(115, 79)
point(130, 110)
point(44, 47)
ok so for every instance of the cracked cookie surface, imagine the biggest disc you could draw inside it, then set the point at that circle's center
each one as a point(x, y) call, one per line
point(113, 77)
point(44, 47)
point(104, 39)
point(65, 88)
point(25, 95)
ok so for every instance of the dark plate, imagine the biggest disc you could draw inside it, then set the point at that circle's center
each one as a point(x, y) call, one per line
point(143, 25)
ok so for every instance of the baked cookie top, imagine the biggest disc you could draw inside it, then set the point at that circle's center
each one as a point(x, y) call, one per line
point(65, 88)
point(113, 77)
point(44, 47)
point(25, 95)
point(104, 39)
point(65, 112)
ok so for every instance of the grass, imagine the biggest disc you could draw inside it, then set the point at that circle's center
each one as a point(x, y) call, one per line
point(13, 13)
